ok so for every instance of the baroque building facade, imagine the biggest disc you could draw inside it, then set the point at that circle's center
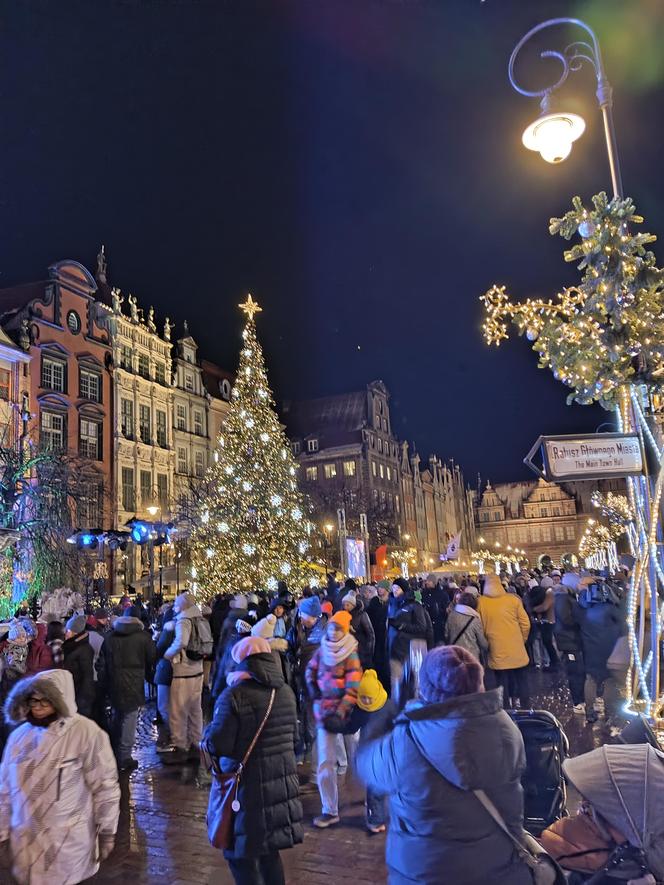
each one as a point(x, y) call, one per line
point(143, 425)
point(542, 518)
point(67, 391)
point(351, 460)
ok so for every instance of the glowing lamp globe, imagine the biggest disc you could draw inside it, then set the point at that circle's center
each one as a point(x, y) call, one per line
point(552, 135)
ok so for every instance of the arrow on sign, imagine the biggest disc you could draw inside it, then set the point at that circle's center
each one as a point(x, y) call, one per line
point(528, 460)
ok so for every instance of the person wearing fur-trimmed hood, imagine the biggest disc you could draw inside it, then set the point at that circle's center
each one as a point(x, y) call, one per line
point(60, 799)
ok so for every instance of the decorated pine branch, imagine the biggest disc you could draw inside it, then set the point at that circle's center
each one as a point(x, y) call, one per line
point(609, 330)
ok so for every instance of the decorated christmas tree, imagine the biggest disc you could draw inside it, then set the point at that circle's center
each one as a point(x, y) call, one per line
point(252, 527)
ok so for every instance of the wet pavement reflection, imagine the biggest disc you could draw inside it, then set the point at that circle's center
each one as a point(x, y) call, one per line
point(162, 837)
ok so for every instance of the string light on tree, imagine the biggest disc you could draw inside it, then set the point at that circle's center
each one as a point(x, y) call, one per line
point(255, 526)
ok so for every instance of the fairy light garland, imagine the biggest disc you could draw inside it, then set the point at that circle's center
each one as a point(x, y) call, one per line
point(604, 339)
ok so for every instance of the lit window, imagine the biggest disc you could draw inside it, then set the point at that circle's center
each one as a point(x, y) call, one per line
point(381, 470)
point(349, 468)
point(312, 474)
point(312, 445)
point(380, 445)
point(89, 385)
point(5, 384)
point(330, 471)
point(373, 468)
point(53, 374)
point(389, 473)
point(52, 430)
point(89, 439)
point(377, 421)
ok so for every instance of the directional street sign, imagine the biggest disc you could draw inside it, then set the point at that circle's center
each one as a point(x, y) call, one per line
point(593, 456)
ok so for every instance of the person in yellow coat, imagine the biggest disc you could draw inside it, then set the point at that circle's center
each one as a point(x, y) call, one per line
point(506, 627)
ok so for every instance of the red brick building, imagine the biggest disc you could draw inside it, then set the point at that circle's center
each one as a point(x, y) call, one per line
point(54, 321)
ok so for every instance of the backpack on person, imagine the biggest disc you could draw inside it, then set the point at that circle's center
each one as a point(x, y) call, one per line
point(200, 640)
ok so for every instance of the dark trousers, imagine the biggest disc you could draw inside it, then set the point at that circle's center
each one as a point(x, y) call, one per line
point(576, 674)
point(546, 632)
point(514, 684)
point(264, 870)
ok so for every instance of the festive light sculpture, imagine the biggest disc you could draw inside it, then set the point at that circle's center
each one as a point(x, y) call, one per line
point(604, 339)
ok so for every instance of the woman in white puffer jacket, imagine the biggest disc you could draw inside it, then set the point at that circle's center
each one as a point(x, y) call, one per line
point(59, 793)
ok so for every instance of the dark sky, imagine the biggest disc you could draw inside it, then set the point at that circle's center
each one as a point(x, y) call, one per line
point(356, 165)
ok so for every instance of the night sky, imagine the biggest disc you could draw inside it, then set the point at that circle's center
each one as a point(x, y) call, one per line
point(356, 165)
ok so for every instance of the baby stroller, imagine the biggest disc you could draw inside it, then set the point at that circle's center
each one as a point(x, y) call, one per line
point(618, 835)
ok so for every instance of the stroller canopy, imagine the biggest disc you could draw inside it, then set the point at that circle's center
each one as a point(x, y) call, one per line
point(625, 784)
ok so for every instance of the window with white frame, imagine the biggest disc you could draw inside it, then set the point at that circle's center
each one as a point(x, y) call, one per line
point(183, 461)
point(330, 471)
point(311, 474)
point(54, 374)
point(180, 417)
point(295, 448)
point(52, 430)
point(349, 468)
point(389, 473)
point(381, 470)
point(162, 438)
point(125, 357)
point(89, 443)
point(145, 424)
point(160, 373)
point(188, 381)
point(198, 422)
point(312, 445)
point(144, 365)
point(374, 470)
point(199, 463)
point(127, 418)
point(89, 385)
point(128, 489)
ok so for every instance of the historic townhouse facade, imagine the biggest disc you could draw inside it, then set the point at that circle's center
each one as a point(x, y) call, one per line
point(143, 424)
point(191, 418)
point(14, 392)
point(69, 395)
point(350, 458)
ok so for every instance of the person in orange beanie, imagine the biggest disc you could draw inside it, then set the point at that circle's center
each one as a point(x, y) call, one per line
point(333, 677)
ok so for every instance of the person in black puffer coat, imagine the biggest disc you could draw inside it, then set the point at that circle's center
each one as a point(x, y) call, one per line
point(79, 660)
point(125, 661)
point(409, 630)
point(270, 815)
point(361, 628)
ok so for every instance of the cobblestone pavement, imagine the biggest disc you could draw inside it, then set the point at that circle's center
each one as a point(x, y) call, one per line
point(162, 836)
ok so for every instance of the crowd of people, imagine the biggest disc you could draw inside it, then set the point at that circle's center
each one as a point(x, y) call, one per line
point(400, 680)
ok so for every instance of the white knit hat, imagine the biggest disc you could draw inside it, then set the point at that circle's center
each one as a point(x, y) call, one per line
point(265, 627)
point(350, 598)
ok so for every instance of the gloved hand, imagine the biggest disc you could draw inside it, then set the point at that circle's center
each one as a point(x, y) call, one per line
point(106, 844)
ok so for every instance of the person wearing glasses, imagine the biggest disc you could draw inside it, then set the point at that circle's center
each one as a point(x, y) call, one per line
point(59, 793)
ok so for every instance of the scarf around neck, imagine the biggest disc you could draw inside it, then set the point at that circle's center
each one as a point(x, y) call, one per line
point(466, 610)
point(334, 653)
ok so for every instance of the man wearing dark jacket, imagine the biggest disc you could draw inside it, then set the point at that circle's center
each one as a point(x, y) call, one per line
point(435, 600)
point(303, 641)
point(407, 623)
point(124, 663)
point(568, 636)
point(361, 628)
point(79, 660)
point(376, 609)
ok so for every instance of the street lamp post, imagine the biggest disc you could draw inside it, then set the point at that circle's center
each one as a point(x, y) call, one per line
point(553, 133)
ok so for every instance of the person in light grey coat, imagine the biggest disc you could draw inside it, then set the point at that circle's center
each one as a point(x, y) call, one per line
point(464, 627)
point(454, 740)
